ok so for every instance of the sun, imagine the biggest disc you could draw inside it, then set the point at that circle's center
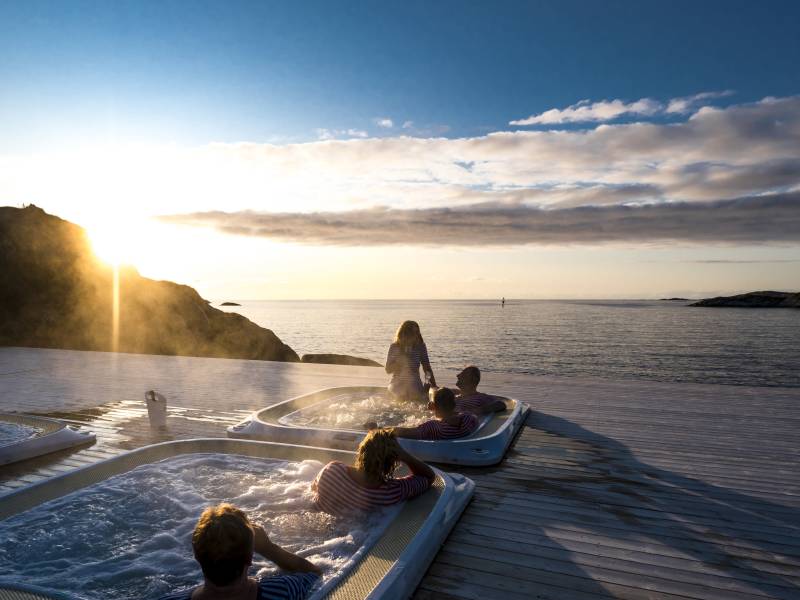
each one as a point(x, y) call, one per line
point(116, 242)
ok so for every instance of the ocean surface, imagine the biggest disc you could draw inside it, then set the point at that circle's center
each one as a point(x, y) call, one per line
point(641, 339)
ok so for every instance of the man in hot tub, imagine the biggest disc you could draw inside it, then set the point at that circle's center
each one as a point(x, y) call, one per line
point(449, 423)
point(223, 542)
point(470, 399)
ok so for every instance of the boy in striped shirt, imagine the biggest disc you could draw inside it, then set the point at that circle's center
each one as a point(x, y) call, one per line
point(470, 399)
point(448, 423)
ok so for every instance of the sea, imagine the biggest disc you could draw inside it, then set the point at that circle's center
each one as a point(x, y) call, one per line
point(617, 339)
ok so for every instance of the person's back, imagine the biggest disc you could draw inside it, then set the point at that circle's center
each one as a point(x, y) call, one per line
point(223, 543)
point(448, 424)
point(340, 490)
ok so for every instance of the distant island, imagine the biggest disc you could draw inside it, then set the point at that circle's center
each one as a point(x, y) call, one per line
point(674, 299)
point(230, 304)
point(55, 293)
point(754, 300)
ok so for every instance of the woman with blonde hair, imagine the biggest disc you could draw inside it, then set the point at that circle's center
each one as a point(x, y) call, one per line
point(369, 483)
point(406, 354)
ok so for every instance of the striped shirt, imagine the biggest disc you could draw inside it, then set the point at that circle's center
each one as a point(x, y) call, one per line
point(294, 586)
point(437, 429)
point(474, 403)
point(337, 493)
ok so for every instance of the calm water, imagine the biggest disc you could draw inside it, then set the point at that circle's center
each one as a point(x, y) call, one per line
point(664, 341)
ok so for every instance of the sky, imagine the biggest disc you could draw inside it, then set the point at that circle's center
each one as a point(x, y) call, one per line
point(414, 149)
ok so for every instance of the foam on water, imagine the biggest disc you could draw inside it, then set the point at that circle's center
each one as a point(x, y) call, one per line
point(130, 536)
point(353, 411)
point(11, 433)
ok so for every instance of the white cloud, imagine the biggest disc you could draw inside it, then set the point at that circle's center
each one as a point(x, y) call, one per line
point(408, 124)
point(744, 150)
point(586, 110)
point(607, 110)
point(688, 103)
point(384, 122)
point(333, 134)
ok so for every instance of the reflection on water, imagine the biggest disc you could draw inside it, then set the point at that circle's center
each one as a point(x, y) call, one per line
point(664, 341)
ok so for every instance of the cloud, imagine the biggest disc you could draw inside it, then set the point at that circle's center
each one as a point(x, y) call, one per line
point(751, 220)
point(608, 110)
point(384, 122)
point(586, 110)
point(408, 124)
point(688, 103)
point(333, 134)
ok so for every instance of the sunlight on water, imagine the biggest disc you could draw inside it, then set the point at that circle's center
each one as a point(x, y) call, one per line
point(130, 536)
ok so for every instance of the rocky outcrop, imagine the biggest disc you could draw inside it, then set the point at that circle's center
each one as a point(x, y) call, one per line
point(755, 300)
point(55, 293)
point(339, 359)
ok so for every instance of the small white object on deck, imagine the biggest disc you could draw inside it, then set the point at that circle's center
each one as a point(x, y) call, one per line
point(156, 409)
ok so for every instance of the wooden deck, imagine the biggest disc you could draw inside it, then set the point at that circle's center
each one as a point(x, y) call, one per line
point(618, 489)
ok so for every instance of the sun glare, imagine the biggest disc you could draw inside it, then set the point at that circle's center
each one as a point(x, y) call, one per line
point(113, 243)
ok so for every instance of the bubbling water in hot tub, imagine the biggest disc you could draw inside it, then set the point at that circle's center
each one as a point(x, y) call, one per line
point(11, 433)
point(353, 410)
point(130, 536)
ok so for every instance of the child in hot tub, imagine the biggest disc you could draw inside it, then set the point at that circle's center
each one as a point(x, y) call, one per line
point(223, 542)
point(449, 423)
point(341, 490)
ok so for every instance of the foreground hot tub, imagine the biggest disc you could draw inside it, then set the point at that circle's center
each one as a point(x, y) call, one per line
point(486, 446)
point(30, 436)
point(390, 567)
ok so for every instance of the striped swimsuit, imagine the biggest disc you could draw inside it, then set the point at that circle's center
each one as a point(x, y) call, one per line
point(436, 429)
point(406, 379)
point(474, 403)
point(337, 493)
point(294, 586)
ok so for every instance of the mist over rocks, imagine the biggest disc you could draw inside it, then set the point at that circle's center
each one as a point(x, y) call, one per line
point(766, 299)
point(55, 293)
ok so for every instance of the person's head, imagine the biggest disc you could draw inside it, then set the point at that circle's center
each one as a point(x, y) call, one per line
point(223, 543)
point(408, 335)
point(377, 454)
point(468, 379)
point(444, 402)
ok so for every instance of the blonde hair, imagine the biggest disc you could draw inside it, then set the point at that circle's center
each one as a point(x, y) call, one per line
point(408, 335)
point(377, 454)
point(223, 543)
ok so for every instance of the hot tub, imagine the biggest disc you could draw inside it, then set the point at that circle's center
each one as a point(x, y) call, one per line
point(387, 561)
point(294, 422)
point(24, 436)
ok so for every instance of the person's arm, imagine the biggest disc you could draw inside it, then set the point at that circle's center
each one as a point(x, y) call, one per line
point(411, 433)
point(416, 465)
point(426, 365)
point(283, 558)
point(392, 359)
point(496, 405)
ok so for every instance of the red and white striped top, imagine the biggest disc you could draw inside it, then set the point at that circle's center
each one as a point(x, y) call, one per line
point(436, 429)
point(474, 403)
point(337, 493)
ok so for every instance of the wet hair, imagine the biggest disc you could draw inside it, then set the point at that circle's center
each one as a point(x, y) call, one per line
point(223, 543)
point(408, 335)
point(474, 373)
point(444, 399)
point(377, 454)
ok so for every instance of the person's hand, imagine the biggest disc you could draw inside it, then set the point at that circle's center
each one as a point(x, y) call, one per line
point(314, 568)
